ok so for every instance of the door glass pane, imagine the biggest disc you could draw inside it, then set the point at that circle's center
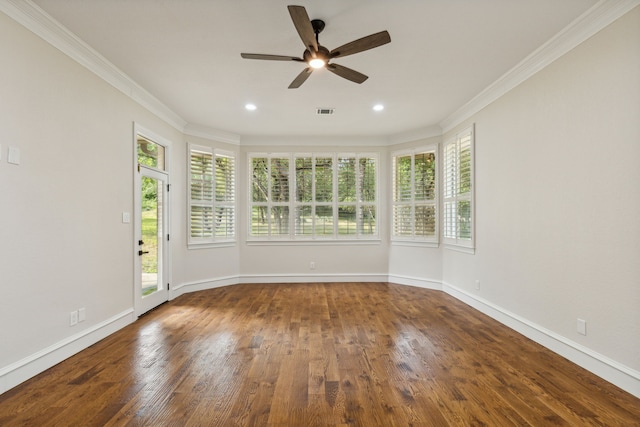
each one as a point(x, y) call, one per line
point(150, 154)
point(152, 232)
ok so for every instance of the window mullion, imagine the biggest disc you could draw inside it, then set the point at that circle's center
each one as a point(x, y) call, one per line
point(413, 196)
point(334, 197)
point(269, 197)
point(291, 182)
point(359, 177)
point(313, 196)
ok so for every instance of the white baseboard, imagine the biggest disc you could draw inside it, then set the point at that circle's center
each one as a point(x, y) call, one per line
point(202, 285)
point(614, 372)
point(312, 278)
point(218, 282)
point(30, 366)
point(416, 281)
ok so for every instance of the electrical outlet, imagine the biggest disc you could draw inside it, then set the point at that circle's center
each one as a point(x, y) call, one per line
point(73, 318)
point(477, 284)
point(312, 265)
point(581, 326)
point(82, 314)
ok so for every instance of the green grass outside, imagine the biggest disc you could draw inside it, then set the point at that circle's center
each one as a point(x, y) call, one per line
point(150, 239)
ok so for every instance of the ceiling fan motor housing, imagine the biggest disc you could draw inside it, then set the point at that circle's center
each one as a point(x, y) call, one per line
point(323, 53)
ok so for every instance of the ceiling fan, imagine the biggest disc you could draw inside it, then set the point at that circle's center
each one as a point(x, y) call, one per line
point(317, 56)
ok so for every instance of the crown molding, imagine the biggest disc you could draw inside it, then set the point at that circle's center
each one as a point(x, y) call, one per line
point(586, 25)
point(206, 132)
point(415, 135)
point(315, 140)
point(36, 20)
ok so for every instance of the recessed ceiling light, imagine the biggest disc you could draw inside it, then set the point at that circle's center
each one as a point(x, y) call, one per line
point(250, 107)
point(378, 107)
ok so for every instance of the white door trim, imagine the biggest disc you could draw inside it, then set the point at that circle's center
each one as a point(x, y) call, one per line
point(140, 306)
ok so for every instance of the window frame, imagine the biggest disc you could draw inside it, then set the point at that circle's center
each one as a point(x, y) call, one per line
point(214, 204)
point(292, 236)
point(413, 239)
point(452, 196)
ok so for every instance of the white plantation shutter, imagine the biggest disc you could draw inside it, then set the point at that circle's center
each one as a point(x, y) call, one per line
point(225, 208)
point(357, 195)
point(366, 186)
point(201, 191)
point(402, 223)
point(323, 207)
point(271, 193)
point(212, 197)
point(458, 189)
point(415, 195)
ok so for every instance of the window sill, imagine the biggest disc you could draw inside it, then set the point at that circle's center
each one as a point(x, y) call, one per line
point(414, 243)
point(316, 242)
point(458, 248)
point(209, 245)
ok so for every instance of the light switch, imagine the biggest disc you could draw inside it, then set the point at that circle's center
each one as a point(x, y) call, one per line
point(126, 217)
point(582, 326)
point(14, 156)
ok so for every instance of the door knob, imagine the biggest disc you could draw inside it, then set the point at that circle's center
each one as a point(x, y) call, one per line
point(142, 252)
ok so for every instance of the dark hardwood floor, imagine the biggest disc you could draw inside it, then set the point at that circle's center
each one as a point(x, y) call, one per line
point(339, 354)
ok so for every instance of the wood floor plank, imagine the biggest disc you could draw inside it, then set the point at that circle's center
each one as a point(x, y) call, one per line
point(317, 354)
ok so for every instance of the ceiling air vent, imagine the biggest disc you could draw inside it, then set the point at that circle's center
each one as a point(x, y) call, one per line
point(324, 111)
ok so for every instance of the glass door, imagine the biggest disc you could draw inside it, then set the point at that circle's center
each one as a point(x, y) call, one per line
point(151, 231)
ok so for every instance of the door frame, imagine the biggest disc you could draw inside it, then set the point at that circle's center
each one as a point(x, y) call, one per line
point(141, 305)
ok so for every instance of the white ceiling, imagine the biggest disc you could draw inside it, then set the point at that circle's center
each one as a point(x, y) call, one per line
point(187, 54)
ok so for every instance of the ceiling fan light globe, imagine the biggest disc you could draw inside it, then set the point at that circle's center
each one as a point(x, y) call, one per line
point(317, 63)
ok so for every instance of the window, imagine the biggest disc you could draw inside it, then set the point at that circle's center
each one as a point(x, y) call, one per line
point(313, 196)
point(459, 189)
point(212, 205)
point(270, 196)
point(150, 154)
point(415, 204)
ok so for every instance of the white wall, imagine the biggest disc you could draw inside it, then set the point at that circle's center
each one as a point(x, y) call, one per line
point(63, 245)
point(558, 202)
point(198, 268)
point(413, 265)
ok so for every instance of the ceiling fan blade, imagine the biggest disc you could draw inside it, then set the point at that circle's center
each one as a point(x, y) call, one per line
point(347, 73)
point(270, 57)
point(302, 23)
point(301, 78)
point(365, 43)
